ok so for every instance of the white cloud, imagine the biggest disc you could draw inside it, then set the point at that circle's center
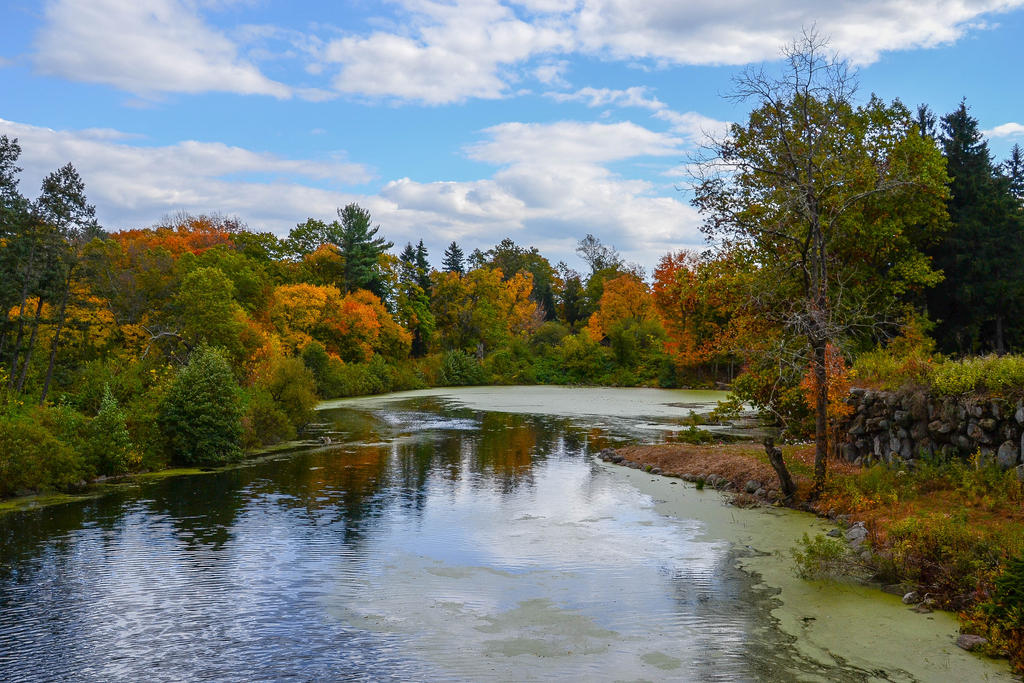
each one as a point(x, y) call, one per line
point(144, 48)
point(451, 52)
point(570, 142)
point(549, 191)
point(743, 31)
point(132, 184)
point(1006, 130)
point(693, 126)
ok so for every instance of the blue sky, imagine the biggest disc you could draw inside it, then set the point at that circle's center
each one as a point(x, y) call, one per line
point(539, 120)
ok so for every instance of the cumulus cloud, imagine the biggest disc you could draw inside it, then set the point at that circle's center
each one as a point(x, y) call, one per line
point(453, 51)
point(144, 48)
point(570, 142)
point(745, 31)
point(450, 51)
point(548, 190)
point(133, 184)
point(1006, 130)
point(693, 126)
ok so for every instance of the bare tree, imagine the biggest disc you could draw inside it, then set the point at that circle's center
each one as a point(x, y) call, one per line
point(832, 202)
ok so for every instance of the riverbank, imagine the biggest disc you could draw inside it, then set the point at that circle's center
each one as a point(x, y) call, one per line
point(869, 631)
point(942, 533)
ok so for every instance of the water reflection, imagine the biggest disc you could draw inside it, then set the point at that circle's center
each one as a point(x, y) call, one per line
point(431, 543)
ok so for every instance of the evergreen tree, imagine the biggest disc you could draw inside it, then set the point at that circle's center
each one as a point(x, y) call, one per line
point(1013, 168)
point(423, 267)
point(201, 416)
point(413, 298)
point(981, 254)
point(361, 249)
point(454, 260)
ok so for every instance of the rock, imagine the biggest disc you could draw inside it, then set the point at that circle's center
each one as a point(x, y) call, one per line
point(911, 598)
point(970, 642)
point(1007, 455)
point(1019, 415)
point(940, 427)
point(1019, 469)
point(901, 417)
point(761, 493)
point(834, 533)
point(752, 486)
point(617, 458)
point(866, 556)
point(655, 470)
point(856, 534)
point(988, 424)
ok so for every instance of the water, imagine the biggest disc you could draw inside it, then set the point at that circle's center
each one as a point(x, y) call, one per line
point(463, 536)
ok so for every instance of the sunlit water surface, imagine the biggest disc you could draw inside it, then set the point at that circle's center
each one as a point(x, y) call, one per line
point(436, 540)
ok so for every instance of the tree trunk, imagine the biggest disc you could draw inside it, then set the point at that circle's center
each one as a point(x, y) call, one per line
point(785, 481)
point(17, 340)
point(56, 337)
point(3, 331)
point(1000, 341)
point(31, 345)
point(820, 418)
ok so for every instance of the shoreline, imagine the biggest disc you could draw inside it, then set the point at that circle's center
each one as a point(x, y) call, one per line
point(819, 615)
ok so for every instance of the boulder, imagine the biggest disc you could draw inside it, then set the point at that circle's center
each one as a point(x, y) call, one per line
point(1007, 455)
point(912, 598)
point(856, 534)
point(752, 486)
point(970, 642)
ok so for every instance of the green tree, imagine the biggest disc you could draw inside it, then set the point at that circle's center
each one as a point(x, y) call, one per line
point(832, 201)
point(454, 260)
point(1013, 168)
point(201, 415)
point(108, 445)
point(982, 254)
point(412, 297)
point(361, 249)
point(208, 313)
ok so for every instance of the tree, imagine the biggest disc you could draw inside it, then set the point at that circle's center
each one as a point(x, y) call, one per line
point(201, 415)
point(597, 255)
point(63, 206)
point(1013, 168)
point(982, 254)
point(454, 260)
point(833, 202)
point(412, 297)
point(361, 249)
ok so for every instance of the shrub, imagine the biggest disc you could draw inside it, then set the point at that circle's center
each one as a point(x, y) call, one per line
point(107, 445)
point(822, 557)
point(32, 457)
point(460, 369)
point(200, 417)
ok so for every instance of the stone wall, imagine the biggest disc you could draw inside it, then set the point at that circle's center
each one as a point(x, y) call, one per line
point(901, 426)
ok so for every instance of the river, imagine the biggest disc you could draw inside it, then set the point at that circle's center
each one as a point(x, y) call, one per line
point(462, 535)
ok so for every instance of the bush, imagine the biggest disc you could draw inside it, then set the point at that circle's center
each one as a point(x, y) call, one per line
point(107, 446)
point(265, 422)
point(460, 369)
point(200, 417)
point(32, 457)
point(822, 557)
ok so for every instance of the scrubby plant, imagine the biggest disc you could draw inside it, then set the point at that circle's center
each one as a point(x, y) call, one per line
point(200, 417)
point(822, 557)
point(460, 369)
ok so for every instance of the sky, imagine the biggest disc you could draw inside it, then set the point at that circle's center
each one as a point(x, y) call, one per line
point(464, 120)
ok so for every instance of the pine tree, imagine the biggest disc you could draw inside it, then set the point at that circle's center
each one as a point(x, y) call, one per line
point(1013, 168)
point(981, 254)
point(361, 249)
point(454, 260)
point(422, 267)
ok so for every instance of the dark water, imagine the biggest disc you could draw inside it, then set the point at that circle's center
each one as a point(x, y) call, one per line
point(435, 543)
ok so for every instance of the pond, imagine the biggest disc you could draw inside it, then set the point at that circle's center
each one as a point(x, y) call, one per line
point(462, 535)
